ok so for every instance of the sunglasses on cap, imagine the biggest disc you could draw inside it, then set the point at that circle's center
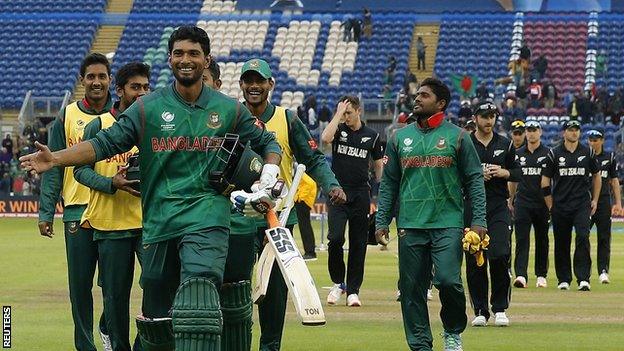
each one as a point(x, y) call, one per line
point(488, 106)
point(533, 124)
point(594, 134)
point(572, 124)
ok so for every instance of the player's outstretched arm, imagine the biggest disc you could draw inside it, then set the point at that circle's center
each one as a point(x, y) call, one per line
point(44, 159)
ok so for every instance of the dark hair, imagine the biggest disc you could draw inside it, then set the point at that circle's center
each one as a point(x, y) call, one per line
point(94, 59)
point(192, 33)
point(215, 71)
point(130, 70)
point(440, 90)
point(355, 102)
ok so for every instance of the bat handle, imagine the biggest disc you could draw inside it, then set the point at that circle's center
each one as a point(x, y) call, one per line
point(272, 219)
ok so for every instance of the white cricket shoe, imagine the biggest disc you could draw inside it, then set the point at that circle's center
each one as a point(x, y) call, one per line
point(106, 343)
point(563, 286)
point(479, 321)
point(541, 282)
point(520, 282)
point(334, 294)
point(584, 286)
point(604, 278)
point(353, 301)
point(398, 295)
point(429, 295)
point(501, 320)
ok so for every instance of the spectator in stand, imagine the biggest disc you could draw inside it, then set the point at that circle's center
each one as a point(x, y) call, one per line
point(535, 94)
point(601, 64)
point(357, 29)
point(367, 23)
point(573, 109)
point(403, 104)
point(525, 56)
point(420, 52)
point(18, 185)
point(302, 113)
point(568, 98)
point(388, 76)
point(511, 112)
point(521, 95)
point(465, 112)
point(482, 92)
point(7, 143)
point(324, 115)
point(412, 85)
point(26, 190)
point(5, 156)
point(346, 24)
point(614, 108)
point(392, 64)
point(5, 183)
point(585, 107)
point(550, 94)
point(540, 66)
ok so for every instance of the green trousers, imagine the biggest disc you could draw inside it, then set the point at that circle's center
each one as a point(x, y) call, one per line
point(240, 259)
point(116, 265)
point(168, 263)
point(272, 309)
point(82, 257)
point(419, 249)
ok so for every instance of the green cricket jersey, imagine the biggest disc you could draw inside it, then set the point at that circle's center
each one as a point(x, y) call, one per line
point(52, 180)
point(305, 151)
point(178, 144)
point(429, 170)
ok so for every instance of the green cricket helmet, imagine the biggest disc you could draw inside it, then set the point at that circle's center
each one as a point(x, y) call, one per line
point(242, 166)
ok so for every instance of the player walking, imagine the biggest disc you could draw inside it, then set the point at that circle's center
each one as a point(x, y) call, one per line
point(179, 130)
point(114, 210)
point(354, 145)
point(497, 155)
point(569, 166)
point(529, 208)
point(429, 166)
point(82, 251)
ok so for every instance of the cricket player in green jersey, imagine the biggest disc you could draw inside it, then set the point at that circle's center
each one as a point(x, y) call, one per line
point(82, 251)
point(256, 82)
point(179, 131)
point(114, 211)
point(430, 165)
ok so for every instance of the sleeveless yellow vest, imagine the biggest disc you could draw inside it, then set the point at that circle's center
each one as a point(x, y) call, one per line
point(278, 124)
point(73, 192)
point(111, 212)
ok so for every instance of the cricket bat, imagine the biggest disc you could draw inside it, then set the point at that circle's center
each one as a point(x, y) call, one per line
point(281, 247)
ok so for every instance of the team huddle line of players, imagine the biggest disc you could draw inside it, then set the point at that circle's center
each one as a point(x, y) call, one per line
point(197, 254)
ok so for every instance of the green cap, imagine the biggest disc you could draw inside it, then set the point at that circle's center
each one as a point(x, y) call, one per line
point(257, 65)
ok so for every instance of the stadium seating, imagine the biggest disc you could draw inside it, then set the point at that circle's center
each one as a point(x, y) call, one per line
point(57, 6)
point(44, 53)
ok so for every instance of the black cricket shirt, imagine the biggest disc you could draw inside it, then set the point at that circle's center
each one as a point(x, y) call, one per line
point(529, 192)
point(608, 170)
point(500, 151)
point(571, 173)
point(352, 151)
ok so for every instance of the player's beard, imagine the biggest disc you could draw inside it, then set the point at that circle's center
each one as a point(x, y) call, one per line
point(188, 81)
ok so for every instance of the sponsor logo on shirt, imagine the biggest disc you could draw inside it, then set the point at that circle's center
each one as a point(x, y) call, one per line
point(408, 141)
point(167, 117)
point(531, 171)
point(352, 151)
point(562, 161)
point(604, 174)
point(80, 123)
point(522, 160)
point(427, 162)
point(498, 152)
point(343, 136)
point(571, 171)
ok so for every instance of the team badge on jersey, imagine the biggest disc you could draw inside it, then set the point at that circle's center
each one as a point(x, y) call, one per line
point(562, 161)
point(384, 160)
point(498, 152)
point(441, 145)
point(605, 162)
point(407, 141)
point(255, 166)
point(214, 121)
point(580, 158)
point(73, 227)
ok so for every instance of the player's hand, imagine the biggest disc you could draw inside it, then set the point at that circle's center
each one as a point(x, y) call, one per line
point(511, 207)
point(382, 235)
point(486, 173)
point(479, 230)
point(617, 209)
point(268, 178)
point(496, 171)
point(120, 182)
point(39, 161)
point(46, 229)
point(341, 109)
point(258, 203)
point(594, 206)
point(337, 196)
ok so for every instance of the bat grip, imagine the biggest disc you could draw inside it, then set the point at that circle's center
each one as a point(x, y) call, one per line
point(272, 219)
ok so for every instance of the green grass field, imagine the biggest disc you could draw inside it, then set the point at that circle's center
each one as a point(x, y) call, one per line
point(33, 281)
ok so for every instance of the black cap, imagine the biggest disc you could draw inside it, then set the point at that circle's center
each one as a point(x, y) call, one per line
point(595, 134)
point(572, 124)
point(532, 124)
point(485, 108)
